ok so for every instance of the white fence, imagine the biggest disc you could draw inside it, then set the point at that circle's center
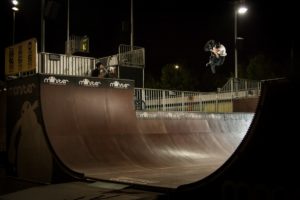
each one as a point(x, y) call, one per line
point(170, 100)
point(241, 87)
point(49, 63)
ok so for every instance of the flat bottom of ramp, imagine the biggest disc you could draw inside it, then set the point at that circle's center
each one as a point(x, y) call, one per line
point(82, 191)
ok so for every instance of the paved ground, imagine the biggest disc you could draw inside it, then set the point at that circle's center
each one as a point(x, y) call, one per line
point(14, 189)
point(9, 184)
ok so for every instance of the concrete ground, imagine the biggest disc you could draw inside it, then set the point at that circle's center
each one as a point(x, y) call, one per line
point(15, 189)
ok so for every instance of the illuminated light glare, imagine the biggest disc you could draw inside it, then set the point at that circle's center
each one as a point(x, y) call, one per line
point(176, 67)
point(15, 2)
point(15, 8)
point(186, 154)
point(242, 10)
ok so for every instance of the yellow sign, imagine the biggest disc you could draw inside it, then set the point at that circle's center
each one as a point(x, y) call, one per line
point(21, 57)
point(84, 44)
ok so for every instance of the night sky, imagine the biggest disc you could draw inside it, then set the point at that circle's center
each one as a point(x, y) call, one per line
point(170, 31)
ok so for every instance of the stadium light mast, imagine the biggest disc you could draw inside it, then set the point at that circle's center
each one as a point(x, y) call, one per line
point(131, 25)
point(68, 51)
point(240, 9)
point(15, 9)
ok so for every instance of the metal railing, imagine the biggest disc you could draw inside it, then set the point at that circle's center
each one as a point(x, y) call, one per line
point(155, 99)
point(172, 100)
point(131, 56)
point(241, 87)
point(49, 63)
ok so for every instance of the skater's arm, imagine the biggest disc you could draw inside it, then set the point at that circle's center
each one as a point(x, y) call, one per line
point(215, 52)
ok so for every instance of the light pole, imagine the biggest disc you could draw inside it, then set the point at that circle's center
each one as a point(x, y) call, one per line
point(131, 25)
point(42, 28)
point(235, 45)
point(15, 9)
point(239, 9)
point(68, 28)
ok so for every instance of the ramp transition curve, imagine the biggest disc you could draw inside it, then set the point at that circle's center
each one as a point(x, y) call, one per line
point(88, 128)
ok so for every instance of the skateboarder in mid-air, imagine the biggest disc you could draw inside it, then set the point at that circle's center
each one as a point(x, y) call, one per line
point(217, 54)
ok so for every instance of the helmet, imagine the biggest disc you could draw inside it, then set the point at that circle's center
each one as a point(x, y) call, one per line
point(98, 63)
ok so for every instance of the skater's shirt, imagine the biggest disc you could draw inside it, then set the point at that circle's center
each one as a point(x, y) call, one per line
point(219, 50)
